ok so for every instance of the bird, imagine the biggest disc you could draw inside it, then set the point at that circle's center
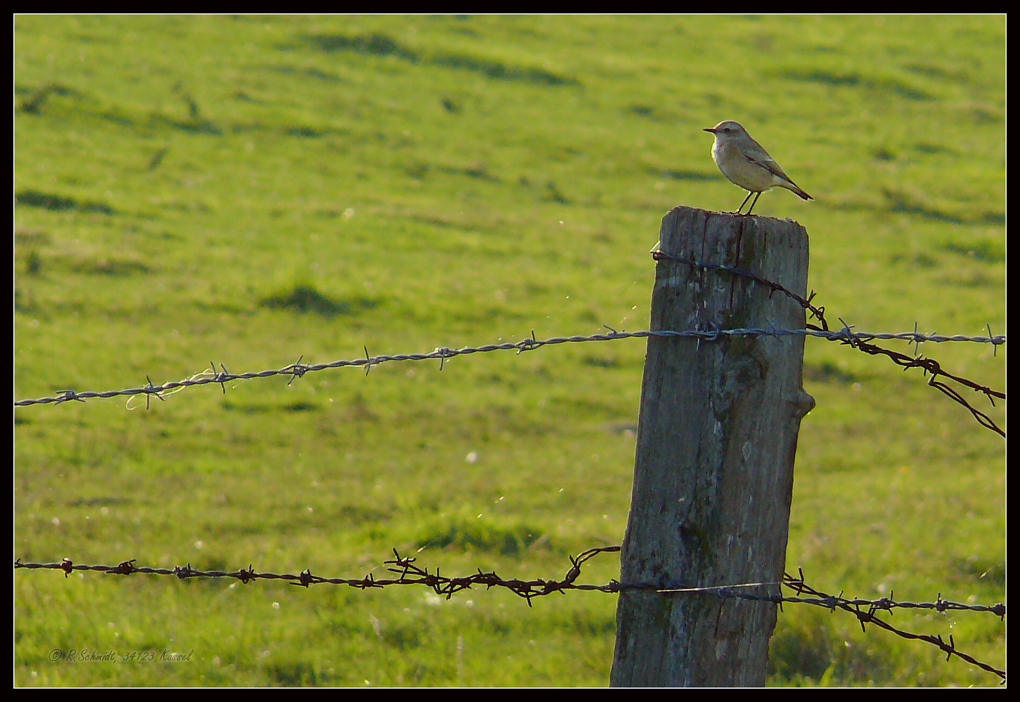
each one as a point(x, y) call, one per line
point(746, 164)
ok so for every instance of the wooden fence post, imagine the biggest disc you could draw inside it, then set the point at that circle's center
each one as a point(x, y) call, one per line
point(713, 470)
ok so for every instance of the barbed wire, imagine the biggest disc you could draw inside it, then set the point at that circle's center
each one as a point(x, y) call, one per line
point(856, 339)
point(408, 573)
point(832, 602)
point(862, 341)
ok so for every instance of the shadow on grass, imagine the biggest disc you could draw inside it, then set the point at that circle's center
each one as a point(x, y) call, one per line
point(305, 298)
point(383, 45)
point(49, 201)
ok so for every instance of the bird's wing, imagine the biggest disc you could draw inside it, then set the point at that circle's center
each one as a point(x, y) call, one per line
point(766, 162)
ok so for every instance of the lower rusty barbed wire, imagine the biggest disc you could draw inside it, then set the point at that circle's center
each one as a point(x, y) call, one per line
point(409, 573)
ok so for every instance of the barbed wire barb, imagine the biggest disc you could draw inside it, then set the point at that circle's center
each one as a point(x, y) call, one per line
point(70, 395)
point(296, 369)
point(151, 390)
point(220, 377)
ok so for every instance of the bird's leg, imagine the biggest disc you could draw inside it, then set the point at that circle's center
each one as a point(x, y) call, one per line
point(754, 202)
point(749, 194)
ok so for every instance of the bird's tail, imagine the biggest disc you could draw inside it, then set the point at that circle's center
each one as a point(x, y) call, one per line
point(791, 186)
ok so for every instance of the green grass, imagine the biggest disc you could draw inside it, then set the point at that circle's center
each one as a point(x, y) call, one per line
point(250, 190)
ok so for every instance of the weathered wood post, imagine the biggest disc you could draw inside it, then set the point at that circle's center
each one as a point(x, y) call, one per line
point(713, 470)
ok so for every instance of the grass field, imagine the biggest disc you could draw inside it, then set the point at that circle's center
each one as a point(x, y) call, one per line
point(250, 190)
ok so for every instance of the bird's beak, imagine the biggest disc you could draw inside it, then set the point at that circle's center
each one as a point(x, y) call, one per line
point(710, 130)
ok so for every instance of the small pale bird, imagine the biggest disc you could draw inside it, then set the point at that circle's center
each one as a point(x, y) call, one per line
point(746, 164)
